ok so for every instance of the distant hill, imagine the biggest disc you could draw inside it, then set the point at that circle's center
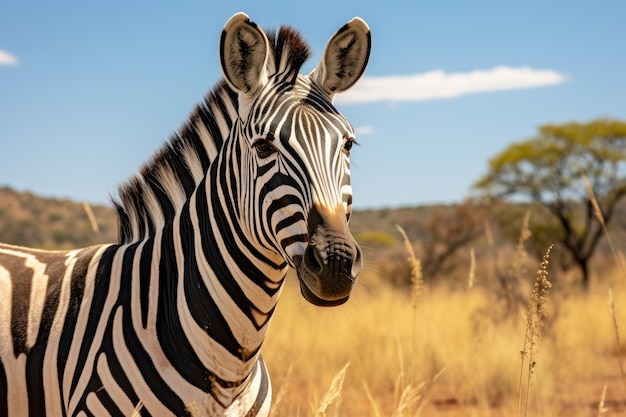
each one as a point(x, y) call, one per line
point(385, 220)
point(30, 220)
point(49, 223)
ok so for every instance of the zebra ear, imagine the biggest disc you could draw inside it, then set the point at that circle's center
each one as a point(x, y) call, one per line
point(345, 58)
point(243, 54)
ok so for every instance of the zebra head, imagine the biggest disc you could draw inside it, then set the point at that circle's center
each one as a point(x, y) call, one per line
point(295, 194)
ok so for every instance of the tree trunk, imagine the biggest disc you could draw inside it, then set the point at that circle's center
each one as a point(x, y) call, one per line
point(583, 264)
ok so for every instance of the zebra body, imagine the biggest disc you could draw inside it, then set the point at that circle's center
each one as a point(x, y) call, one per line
point(170, 320)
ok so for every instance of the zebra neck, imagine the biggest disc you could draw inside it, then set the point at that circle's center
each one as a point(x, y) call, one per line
point(209, 323)
point(222, 287)
point(217, 287)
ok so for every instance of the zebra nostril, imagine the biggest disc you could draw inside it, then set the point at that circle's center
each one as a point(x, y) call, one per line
point(312, 260)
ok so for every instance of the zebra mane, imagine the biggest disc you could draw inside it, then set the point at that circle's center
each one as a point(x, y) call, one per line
point(153, 196)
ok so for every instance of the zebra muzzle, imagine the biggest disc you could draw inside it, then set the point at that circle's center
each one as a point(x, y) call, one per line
point(331, 262)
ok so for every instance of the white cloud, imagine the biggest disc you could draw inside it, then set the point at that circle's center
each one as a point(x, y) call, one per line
point(438, 84)
point(364, 130)
point(7, 58)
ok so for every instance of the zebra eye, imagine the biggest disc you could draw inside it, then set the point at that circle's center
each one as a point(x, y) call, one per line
point(348, 144)
point(264, 148)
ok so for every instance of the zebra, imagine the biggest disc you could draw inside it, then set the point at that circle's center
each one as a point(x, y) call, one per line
point(170, 320)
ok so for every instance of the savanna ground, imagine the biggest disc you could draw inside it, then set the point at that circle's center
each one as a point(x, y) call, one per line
point(454, 350)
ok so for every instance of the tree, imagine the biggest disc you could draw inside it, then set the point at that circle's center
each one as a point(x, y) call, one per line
point(449, 230)
point(557, 169)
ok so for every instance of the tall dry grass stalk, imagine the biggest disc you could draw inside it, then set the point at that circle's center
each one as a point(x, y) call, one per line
point(417, 281)
point(472, 269)
point(333, 394)
point(409, 399)
point(92, 218)
point(401, 379)
point(521, 256)
point(619, 256)
point(535, 314)
point(489, 234)
point(621, 261)
point(137, 410)
point(372, 401)
point(491, 243)
point(412, 398)
point(617, 339)
point(282, 392)
point(602, 409)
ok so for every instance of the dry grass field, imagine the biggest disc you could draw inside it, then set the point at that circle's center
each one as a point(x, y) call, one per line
point(453, 352)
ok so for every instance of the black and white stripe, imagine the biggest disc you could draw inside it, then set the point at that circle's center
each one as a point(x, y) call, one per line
point(170, 321)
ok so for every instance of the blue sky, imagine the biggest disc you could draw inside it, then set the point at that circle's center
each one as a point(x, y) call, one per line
point(90, 90)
